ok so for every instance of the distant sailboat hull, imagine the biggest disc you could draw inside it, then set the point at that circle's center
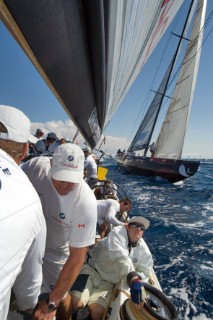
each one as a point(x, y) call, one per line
point(169, 169)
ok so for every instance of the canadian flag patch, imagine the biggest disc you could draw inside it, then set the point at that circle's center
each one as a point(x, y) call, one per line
point(81, 225)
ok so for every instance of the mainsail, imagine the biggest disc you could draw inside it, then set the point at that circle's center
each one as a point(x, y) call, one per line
point(171, 138)
point(89, 52)
point(143, 135)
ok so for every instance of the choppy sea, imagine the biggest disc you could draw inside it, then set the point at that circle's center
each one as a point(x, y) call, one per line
point(180, 236)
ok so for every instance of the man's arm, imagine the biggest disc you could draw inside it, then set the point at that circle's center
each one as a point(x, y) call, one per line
point(111, 218)
point(145, 262)
point(65, 281)
point(69, 273)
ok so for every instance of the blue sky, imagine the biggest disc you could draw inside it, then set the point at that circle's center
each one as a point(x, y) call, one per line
point(22, 86)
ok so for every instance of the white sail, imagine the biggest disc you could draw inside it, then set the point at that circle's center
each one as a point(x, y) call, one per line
point(171, 138)
point(136, 26)
point(96, 50)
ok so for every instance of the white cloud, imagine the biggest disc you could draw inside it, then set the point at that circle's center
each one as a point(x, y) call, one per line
point(112, 144)
point(68, 130)
point(62, 129)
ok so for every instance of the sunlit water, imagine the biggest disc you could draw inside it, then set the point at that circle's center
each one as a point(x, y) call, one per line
point(180, 237)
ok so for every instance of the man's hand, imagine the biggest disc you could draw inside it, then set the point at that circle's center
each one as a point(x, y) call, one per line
point(138, 293)
point(42, 312)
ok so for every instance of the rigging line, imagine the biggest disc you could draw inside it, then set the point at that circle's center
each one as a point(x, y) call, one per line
point(208, 19)
point(208, 34)
point(194, 41)
point(175, 75)
point(161, 59)
point(170, 72)
point(103, 153)
point(147, 97)
point(203, 43)
point(168, 48)
point(160, 65)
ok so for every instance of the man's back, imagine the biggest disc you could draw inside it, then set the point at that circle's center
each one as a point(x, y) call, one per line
point(91, 167)
point(104, 206)
point(20, 222)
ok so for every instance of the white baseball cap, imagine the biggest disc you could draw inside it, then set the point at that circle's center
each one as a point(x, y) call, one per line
point(52, 135)
point(17, 125)
point(87, 149)
point(140, 220)
point(68, 163)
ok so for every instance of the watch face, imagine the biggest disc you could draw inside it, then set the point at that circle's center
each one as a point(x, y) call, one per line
point(52, 305)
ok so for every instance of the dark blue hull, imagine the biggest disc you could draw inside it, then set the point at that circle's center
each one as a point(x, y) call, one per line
point(169, 169)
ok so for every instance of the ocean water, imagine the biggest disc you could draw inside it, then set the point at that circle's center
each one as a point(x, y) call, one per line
point(180, 236)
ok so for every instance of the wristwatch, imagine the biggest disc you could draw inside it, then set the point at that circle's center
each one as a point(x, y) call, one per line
point(51, 305)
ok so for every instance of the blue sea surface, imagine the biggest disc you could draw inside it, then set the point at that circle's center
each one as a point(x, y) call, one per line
point(180, 236)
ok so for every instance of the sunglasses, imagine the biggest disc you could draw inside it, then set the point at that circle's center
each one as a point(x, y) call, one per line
point(141, 226)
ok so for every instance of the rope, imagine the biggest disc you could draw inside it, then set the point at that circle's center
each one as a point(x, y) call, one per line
point(126, 293)
point(114, 293)
point(140, 314)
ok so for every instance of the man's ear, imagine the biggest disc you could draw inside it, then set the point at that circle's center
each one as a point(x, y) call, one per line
point(24, 153)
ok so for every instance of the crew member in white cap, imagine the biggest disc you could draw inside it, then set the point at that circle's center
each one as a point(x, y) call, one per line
point(46, 146)
point(123, 254)
point(90, 167)
point(70, 210)
point(39, 134)
point(22, 224)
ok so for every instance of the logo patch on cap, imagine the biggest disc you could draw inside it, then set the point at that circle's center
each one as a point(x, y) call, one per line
point(70, 158)
point(62, 215)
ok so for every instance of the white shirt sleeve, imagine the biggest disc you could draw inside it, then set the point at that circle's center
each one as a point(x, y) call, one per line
point(110, 217)
point(84, 219)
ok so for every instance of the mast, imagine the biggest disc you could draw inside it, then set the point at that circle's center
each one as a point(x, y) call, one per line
point(75, 136)
point(142, 136)
point(170, 141)
point(181, 37)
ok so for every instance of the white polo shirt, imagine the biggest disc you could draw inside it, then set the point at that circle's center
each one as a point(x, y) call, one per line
point(71, 220)
point(91, 166)
point(21, 219)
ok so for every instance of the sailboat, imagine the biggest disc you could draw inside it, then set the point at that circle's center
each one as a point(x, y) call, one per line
point(165, 160)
